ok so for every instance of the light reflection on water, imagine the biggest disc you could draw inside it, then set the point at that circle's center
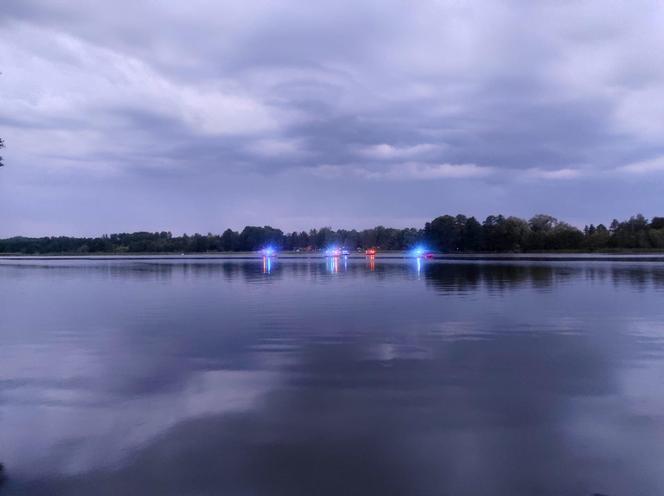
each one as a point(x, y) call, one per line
point(267, 265)
point(331, 377)
point(332, 264)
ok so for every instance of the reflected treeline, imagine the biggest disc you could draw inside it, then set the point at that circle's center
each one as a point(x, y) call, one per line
point(635, 276)
point(255, 270)
point(456, 277)
point(471, 277)
point(443, 276)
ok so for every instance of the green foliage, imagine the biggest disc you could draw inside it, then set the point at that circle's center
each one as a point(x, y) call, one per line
point(657, 223)
point(541, 233)
point(251, 238)
point(448, 234)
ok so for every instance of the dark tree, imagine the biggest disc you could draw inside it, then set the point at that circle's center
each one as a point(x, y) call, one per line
point(444, 232)
point(597, 237)
point(2, 145)
point(502, 234)
point(472, 235)
point(254, 238)
point(230, 240)
point(657, 223)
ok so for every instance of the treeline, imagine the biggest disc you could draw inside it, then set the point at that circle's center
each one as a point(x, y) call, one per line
point(251, 238)
point(446, 234)
point(541, 233)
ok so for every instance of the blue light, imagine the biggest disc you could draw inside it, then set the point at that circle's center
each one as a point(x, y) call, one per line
point(418, 251)
point(269, 251)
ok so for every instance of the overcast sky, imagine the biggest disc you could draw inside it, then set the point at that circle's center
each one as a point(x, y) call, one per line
point(200, 115)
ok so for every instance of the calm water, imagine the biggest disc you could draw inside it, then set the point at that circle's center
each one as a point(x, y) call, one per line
point(315, 378)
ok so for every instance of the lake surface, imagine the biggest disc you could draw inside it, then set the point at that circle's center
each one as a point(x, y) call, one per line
point(391, 377)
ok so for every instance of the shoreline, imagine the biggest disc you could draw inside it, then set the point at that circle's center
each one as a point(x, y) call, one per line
point(478, 257)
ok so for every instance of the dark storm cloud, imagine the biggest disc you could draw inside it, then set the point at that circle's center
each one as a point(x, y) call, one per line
point(490, 99)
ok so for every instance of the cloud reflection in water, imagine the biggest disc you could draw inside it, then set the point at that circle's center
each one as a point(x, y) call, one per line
point(137, 378)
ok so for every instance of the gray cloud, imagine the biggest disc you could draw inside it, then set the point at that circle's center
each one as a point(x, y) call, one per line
point(220, 109)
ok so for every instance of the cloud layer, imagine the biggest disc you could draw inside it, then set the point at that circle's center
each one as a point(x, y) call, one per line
point(202, 115)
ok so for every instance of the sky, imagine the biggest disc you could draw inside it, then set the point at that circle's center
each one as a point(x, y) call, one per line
point(201, 115)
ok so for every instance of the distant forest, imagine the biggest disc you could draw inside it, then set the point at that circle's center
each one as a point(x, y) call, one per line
point(445, 234)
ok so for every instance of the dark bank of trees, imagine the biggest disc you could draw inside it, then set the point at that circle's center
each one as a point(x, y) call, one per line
point(2, 145)
point(448, 234)
point(541, 233)
point(251, 238)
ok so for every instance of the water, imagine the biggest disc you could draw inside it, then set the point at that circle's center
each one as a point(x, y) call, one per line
point(331, 378)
